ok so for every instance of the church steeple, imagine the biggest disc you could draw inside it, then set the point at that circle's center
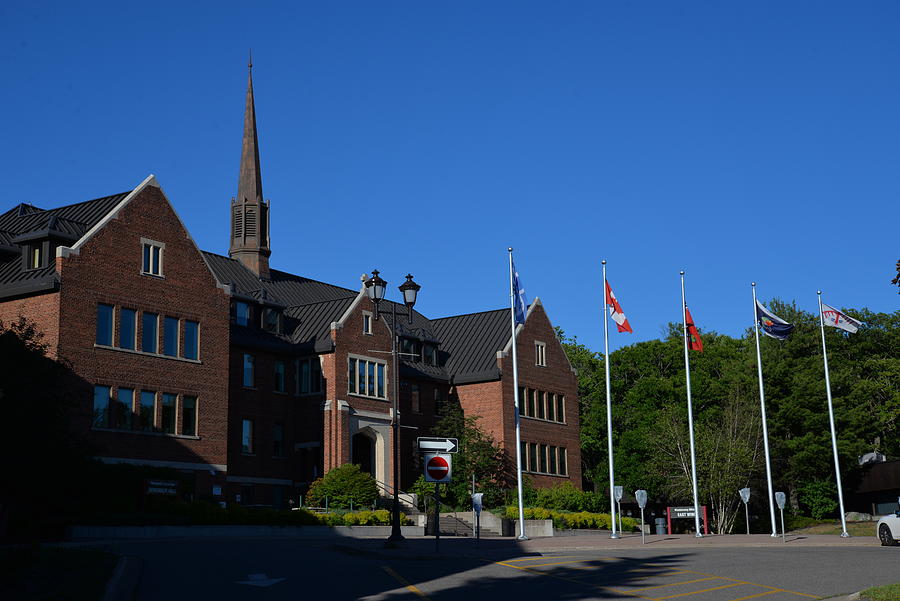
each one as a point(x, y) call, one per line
point(249, 212)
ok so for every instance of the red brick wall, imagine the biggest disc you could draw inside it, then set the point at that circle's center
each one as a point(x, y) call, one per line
point(43, 310)
point(107, 270)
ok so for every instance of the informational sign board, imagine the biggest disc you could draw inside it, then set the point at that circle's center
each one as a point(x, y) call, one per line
point(683, 512)
point(438, 468)
point(162, 487)
point(428, 444)
point(674, 513)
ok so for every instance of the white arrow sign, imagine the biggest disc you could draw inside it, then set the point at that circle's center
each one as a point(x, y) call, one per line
point(260, 580)
point(437, 445)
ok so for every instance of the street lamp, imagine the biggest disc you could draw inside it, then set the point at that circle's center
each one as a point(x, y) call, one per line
point(375, 289)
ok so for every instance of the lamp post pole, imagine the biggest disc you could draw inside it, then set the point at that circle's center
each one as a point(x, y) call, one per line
point(375, 288)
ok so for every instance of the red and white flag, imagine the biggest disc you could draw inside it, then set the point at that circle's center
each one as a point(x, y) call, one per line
point(833, 317)
point(615, 311)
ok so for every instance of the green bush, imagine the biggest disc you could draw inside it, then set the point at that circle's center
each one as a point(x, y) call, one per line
point(343, 486)
point(565, 497)
point(379, 517)
point(565, 520)
point(819, 498)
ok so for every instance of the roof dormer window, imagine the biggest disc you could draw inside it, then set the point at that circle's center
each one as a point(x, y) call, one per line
point(272, 320)
point(35, 256)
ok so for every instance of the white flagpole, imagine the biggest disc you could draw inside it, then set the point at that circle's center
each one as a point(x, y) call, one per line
point(515, 368)
point(687, 371)
point(612, 479)
point(762, 405)
point(837, 467)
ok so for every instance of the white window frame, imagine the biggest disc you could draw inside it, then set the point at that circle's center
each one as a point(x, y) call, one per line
point(540, 354)
point(365, 360)
point(368, 320)
point(156, 263)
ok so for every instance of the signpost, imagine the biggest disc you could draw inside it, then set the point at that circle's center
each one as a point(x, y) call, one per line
point(779, 498)
point(745, 497)
point(438, 469)
point(428, 444)
point(641, 498)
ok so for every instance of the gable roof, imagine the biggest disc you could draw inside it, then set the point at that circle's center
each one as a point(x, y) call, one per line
point(470, 343)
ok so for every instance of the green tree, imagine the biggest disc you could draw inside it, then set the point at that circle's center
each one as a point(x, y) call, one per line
point(343, 486)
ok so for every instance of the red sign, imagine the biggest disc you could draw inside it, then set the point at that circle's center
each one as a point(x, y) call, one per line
point(437, 468)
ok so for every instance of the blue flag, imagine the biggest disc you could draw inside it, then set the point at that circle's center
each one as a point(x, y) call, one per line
point(771, 324)
point(520, 303)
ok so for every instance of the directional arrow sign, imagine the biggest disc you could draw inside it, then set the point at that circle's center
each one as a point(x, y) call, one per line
point(437, 445)
point(260, 580)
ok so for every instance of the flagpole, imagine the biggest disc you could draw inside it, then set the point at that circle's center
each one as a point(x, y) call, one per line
point(612, 479)
point(515, 368)
point(837, 467)
point(687, 371)
point(762, 406)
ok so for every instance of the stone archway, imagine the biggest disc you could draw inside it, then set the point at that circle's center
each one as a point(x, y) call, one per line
point(363, 451)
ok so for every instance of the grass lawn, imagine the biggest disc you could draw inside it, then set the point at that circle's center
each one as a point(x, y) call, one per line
point(888, 592)
point(40, 573)
point(853, 529)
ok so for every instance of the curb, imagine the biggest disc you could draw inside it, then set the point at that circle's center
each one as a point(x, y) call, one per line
point(123, 583)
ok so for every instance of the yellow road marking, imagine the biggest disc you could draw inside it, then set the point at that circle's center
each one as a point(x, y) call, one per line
point(706, 590)
point(647, 588)
point(774, 588)
point(404, 582)
point(760, 595)
point(537, 557)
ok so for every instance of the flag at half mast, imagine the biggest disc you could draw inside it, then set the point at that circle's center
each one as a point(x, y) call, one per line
point(833, 317)
point(615, 311)
point(772, 325)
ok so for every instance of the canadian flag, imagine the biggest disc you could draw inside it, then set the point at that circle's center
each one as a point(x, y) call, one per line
point(615, 311)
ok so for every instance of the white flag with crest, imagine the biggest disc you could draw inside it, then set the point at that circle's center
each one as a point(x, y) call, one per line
point(833, 317)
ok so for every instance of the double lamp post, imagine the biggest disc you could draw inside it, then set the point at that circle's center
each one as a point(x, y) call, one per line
point(375, 289)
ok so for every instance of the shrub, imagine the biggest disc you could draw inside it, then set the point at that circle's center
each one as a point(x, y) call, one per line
point(343, 486)
point(563, 520)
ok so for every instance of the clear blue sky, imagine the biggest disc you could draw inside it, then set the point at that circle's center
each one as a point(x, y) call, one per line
point(737, 141)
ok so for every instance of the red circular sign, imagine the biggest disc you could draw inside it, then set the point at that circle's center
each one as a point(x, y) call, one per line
point(437, 467)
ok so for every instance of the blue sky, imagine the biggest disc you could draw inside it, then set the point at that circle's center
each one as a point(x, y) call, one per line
point(737, 141)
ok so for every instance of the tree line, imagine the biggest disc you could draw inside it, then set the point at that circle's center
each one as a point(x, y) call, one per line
point(649, 412)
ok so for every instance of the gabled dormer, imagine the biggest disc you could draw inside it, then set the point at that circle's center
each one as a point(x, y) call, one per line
point(38, 244)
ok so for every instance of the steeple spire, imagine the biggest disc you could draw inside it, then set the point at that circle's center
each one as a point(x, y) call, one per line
point(249, 212)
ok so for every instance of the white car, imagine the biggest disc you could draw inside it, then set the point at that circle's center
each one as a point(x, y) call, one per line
point(888, 529)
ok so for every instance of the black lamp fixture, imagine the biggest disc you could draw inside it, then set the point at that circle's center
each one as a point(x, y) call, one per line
point(375, 287)
point(409, 289)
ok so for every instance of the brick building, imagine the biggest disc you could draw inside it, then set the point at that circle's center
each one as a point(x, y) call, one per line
point(256, 380)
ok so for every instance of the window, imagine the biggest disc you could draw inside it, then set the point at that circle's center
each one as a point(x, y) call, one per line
point(167, 414)
point(551, 406)
point(147, 411)
point(430, 355)
point(104, 324)
point(153, 252)
point(532, 457)
point(170, 337)
point(149, 332)
point(34, 256)
point(521, 400)
point(123, 409)
point(278, 440)
point(560, 408)
point(540, 354)
point(127, 328)
point(544, 459)
point(241, 313)
point(414, 397)
point(189, 415)
point(309, 376)
point(279, 376)
point(367, 322)
point(102, 397)
point(248, 371)
point(411, 350)
point(272, 320)
point(191, 340)
point(542, 405)
point(530, 405)
point(366, 378)
point(247, 436)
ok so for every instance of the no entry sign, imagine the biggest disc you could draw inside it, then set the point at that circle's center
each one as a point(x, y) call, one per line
point(437, 468)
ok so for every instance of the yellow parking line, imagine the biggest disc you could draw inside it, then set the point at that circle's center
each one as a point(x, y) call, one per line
point(404, 582)
point(760, 594)
point(706, 590)
point(647, 588)
point(774, 588)
point(534, 558)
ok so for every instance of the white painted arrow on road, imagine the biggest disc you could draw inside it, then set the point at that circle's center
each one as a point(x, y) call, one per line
point(260, 580)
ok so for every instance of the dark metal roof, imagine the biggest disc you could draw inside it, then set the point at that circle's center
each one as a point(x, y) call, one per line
point(312, 323)
point(469, 343)
point(25, 222)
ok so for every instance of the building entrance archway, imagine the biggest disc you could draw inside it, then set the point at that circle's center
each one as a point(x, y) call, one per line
point(363, 449)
